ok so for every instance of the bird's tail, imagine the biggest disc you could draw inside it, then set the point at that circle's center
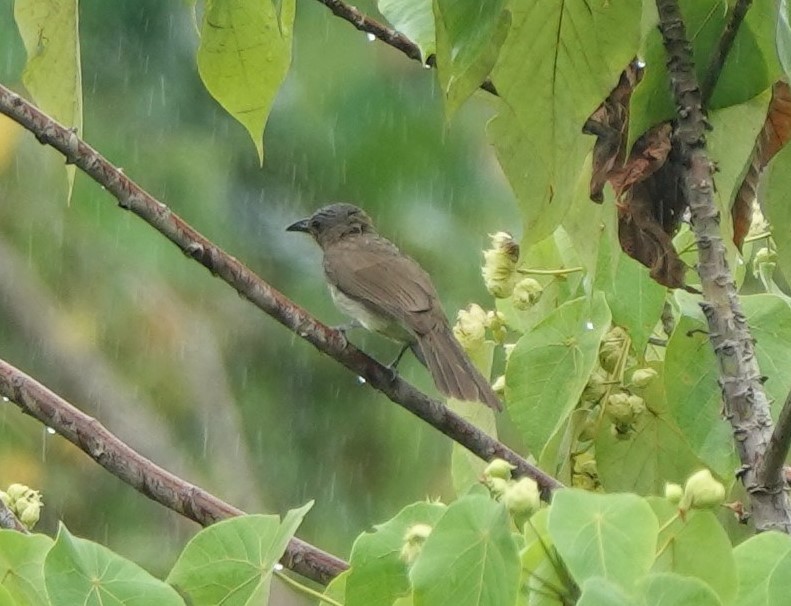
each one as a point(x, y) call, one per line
point(451, 368)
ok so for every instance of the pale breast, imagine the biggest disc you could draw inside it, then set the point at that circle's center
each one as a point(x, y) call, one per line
point(368, 319)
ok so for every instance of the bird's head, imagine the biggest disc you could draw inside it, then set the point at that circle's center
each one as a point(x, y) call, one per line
point(334, 222)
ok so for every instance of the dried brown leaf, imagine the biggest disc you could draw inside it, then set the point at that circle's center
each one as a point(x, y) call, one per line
point(774, 135)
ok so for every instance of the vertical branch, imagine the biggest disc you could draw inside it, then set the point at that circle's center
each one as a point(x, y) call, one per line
point(746, 405)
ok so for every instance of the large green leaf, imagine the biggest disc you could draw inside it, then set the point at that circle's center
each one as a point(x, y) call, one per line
point(560, 60)
point(684, 540)
point(750, 68)
point(541, 575)
point(53, 74)
point(612, 536)
point(759, 560)
point(664, 589)
point(784, 36)
point(22, 566)
point(244, 56)
point(598, 591)
point(550, 366)
point(469, 36)
point(378, 575)
point(414, 19)
point(78, 571)
point(231, 562)
point(655, 453)
point(469, 559)
point(694, 398)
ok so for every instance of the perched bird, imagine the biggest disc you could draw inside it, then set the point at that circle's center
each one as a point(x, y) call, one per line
point(387, 292)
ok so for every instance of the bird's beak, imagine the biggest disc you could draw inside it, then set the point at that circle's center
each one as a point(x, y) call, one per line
point(301, 225)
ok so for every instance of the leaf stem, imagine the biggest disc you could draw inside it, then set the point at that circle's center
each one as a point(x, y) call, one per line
point(305, 589)
point(550, 272)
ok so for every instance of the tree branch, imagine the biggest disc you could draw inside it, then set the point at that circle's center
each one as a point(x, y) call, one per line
point(723, 48)
point(771, 473)
point(122, 461)
point(387, 35)
point(132, 197)
point(745, 402)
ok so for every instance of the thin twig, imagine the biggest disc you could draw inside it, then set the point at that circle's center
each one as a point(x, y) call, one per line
point(387, 35)
point(9, 521)
point(745, 402)
point(723, 48)
point(771, 473)
point(156, 483)
point(132, 197)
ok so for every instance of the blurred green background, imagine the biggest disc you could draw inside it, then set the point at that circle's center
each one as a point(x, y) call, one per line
point(100, 308)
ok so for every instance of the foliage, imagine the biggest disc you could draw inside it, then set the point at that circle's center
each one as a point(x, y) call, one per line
point(609, 380)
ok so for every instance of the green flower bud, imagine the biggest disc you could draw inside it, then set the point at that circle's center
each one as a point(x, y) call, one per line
point(522, 497)
point(596, 387)
point(414, 538)
point(470, 327)
point(498, 386)
point(5, 498)
point(619, 408)
point(496, 486)
point(29, 515)
point(702, 491)
point(526, 293)
point(17, 491)
point(637, 404)
point(643, 376)
point(499, 468)
point(499, 269)
point(673, 493)
point(495, 321)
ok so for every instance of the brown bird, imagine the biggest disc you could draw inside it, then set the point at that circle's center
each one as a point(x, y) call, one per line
point(387, 292)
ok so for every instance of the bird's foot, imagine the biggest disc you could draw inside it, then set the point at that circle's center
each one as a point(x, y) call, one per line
point(392, 367)
point(343, 329)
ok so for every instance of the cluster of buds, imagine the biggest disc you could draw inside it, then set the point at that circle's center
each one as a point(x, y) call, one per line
point(701, 491)
point(24, 502)
point(414, 539)
point(499, 269)
point(472, 323)
point(521, 497)
point(624, 409)
point(585, 474)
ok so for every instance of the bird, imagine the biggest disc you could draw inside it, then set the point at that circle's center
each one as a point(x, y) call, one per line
point(388, 292)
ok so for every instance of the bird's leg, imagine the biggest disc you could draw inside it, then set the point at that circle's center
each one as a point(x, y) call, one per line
point(394, 364)
point(344, 328)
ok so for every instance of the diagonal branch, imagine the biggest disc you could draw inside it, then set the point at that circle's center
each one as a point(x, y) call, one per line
point(724, 45)
point(387, 35)
point(119, 459)
point(771, 471)
point(132, 197)
point(746, 405)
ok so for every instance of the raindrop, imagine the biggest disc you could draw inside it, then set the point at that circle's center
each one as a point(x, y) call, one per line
point(371, 37)
point(50, 431)
point(361, 380)
point(589, 325)
point(5, 399)
point(278, 567)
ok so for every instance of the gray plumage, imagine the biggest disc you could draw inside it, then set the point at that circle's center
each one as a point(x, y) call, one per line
point(389, 293)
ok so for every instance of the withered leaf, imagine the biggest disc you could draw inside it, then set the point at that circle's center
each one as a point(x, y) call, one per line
point(774, 135)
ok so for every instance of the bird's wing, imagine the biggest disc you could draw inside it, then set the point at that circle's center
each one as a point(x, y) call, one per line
point(375, 273)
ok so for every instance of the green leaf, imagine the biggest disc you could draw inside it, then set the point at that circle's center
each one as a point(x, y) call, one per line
point(611, 536)
point(469, 37)
point(694, 398)
point(22, 566)
point(784, 36)
point(559, 61)
point(667, 588)
point(780, 583)
point(750, 68)
point(336, 590)
point(598, 591)
point(78, 571)
point(244, 56)
point(414, 19)
point(378, 574)
point(53, 74)
point(759, 560)
point(550, 365)
point(684, 543)
point(769, 319)
point(775, 205)
point(469, 559)
point(6, 599)
point(231, 562)
point(636, 300)
point(654, 454)
point(540, 574)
